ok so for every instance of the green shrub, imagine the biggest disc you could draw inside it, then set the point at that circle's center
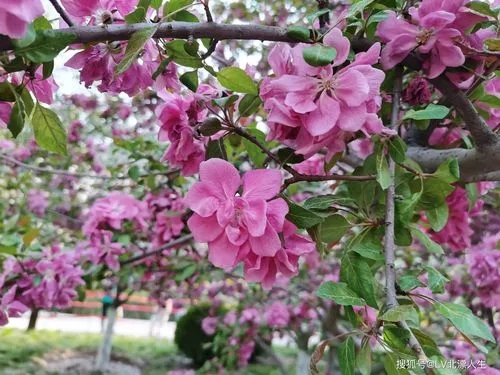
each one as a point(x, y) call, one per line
point(190, 338)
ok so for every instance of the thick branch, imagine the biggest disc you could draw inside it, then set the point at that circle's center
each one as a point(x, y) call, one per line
point(475, 164)
point(179, 30)
point(480, 131)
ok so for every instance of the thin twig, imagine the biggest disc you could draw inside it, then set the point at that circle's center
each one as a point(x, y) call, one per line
point(76, 174)
point(330, 177)
point(178, 241)
point(62, 13)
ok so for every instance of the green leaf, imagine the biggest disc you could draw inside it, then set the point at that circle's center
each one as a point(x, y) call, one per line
point(398, 313)
point(426, 241)
point(492, 100)
point(28, 37)
point(174, 5)
point(137, 16)
point(47, 69)
point(184, 16)
point(48, 129)
point(287, 155)
point(216, 149)
point(340, 293)
point(383, 172)
point(449, 171)
point(133, 173)
point(438, 216)
point(319, 55)
point(347, 357)
point(432, 111)
point(409, 282)
point(390, 365)
point(302, 217)
point(16, 120)
point(472, 194)
point(249, 105)
point(492, 44)
point(210, 126)
point(299, 33)
point(464, 320)
point(483, 8)
point(237, 80)
point(364, 359)
point(192, 47)
point(321, 202)
point(356, 272)
point(187, 272)
point(435, 280)
point(333, 228)
point(176, 52)
point(358, 7)
point(134, 47)
point(256, 155)
point(46, 47)
point(397, 149)
point(313, 16)
point(190, 80)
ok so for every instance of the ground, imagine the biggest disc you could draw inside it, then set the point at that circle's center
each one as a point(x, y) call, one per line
point(44, 352)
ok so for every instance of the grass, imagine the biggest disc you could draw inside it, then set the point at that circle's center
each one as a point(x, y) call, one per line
point(19, 351)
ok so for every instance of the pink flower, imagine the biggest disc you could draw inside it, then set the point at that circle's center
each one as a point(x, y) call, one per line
point(104, 250)
point(457, 232)
point(15, 16)
point(98, 11)
point(209, 325)
point(277, 315)
point(417, 92)
point(9, 306)
point(230, 318)
point(111, 211)
point(435, 27)
point(484, 268)
point(236, 225)
point(285, 262)
point(250, 315)
point(245, 353)
point(311, 108)
point(38, 201)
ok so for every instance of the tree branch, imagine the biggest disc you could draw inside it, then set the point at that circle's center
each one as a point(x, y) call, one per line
point(480, 131)
point(62, 12)
point(74, 174)
point(475, 165)
point(178, 241)
point(389, 239)
point(179, 30)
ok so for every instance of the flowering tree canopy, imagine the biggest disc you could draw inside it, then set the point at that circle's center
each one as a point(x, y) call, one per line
point(326, 170)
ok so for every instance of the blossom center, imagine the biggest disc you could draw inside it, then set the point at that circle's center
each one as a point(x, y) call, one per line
point(424, 36)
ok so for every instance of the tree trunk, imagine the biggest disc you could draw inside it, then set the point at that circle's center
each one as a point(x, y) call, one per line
point(104, 352)
point(302, 366)
point(33, 319)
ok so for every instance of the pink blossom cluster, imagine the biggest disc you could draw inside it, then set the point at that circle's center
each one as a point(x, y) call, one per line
point(492, 87)
point(20, 153)
point(311, 108)
point(109, 215)
point(179, 116)
point(241, 327)
point(16, 15)
point(456, 234)
point(433, 30)
point(38, 201)
point(98, 12)
point(277, 315)
point(167, 209)
point(244, 227)
point(44, 282)
point(483, 263)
